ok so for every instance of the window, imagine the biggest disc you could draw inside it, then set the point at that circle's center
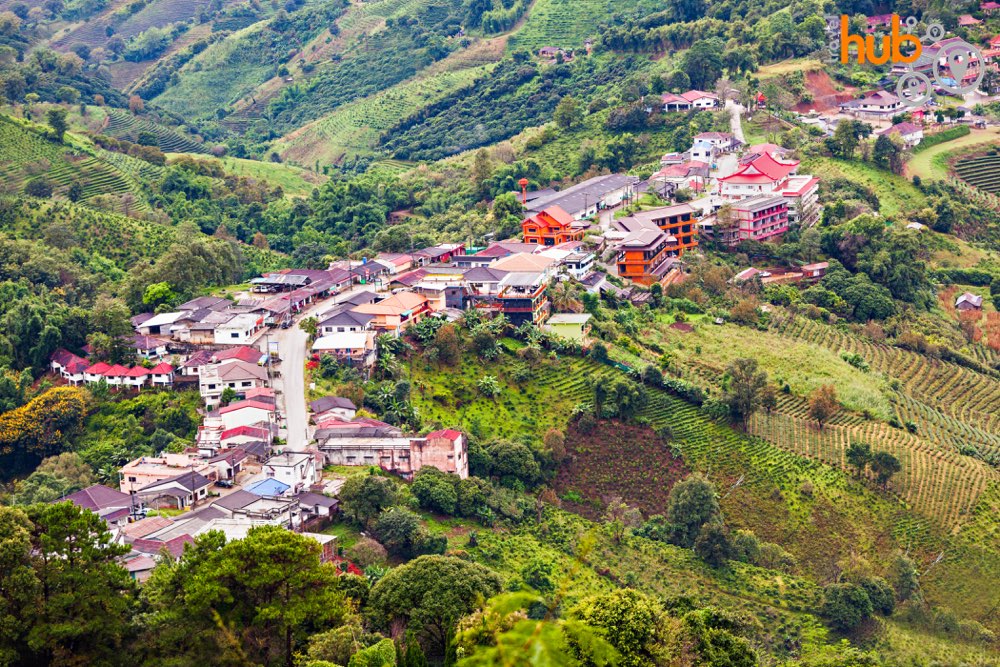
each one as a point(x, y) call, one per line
point(248, 384)
point(235, 334)
point(131, 479)
point(211, 386)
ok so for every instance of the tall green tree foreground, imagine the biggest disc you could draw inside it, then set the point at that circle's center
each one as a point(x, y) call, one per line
point(249, 601)
point(429, 595)
point(64, 598)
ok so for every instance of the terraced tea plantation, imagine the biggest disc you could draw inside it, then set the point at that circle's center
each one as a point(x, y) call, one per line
point(983, 172)
point(354, 128)
point(122, 124)
point(26, 155)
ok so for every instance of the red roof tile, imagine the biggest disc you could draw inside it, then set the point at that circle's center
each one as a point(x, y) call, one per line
point(97, 369)
point(449, 433)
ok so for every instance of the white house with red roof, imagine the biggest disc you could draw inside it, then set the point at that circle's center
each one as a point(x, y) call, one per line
point(989, 7)
point(766, 175)
point(909, 133)
point(762, 176)
point(136, 377)
point(692, 99)
point(246, 413)
point(162, 375)
point(69, 366)
point(879, 104)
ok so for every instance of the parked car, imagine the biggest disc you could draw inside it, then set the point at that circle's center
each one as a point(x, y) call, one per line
point(224, 483)
point(286, 324)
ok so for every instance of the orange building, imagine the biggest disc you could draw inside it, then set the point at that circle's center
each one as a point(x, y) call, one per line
point(678, 221)
point(646, 254)
point(549, 227)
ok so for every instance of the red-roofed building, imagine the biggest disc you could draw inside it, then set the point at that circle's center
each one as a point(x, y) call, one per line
point(910, 134)
point(692, 99)
point(550, 227)
point(69, 366)
point(246, 413)
point(95, 372)
point(445, 450)
point(115, 375)
point(110, 504)
point(175, 546)
point(760, 177)
point(246, 353)
point(243, 434)
point(136, 377)
point(162, 375)
point(968, 20)
point(989, 7)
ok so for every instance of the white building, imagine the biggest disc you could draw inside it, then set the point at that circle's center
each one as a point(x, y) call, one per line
point(296, 469)
point(239, 330)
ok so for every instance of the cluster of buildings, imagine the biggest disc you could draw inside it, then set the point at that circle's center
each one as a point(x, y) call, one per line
point(155, 537)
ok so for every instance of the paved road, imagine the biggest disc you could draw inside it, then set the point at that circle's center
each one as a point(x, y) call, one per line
point(736, 119)
point(292, 344)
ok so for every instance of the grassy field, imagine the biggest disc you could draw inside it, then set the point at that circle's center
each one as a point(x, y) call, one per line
point(788, 67)
point(933, 163)
point(802, 365)
point(896, 194)
point(294, 181)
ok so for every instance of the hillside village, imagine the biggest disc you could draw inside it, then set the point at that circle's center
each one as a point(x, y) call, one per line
point(390, 334)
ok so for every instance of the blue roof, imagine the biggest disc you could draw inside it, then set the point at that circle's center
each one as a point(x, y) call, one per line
point(268, 487)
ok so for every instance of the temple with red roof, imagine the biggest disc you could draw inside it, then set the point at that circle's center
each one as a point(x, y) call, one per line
point(767, 175)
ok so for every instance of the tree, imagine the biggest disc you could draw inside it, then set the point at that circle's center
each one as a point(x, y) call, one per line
point(364, 497)
point(884, 465)
point(633, 623)
point(110, 317)
point(254, 600)
point(568, 113)
point(135, 104)
point(55, 477)
point(513, 464)
point(846, 605)
point(713, 544)
point(399, 531)
point(83, 599)
point(859, 455)
point(823, 404)
point(75, 191)
point(482, 170)
point(367, 551)
point(56, 118)
point(746, 387)
point(19, 585)
point(888, 154)
point(448, 344)
point(228, 396)
point(620, 518)
point(310, 325)
point(159, 293)
point(382, 654)
point(692, 504)
point(769, 399)
point(703, 63)
point(40, 187)
point(436, 490)
point(428, 595)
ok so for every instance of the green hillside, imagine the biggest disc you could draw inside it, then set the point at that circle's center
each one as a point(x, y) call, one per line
point(27, 155)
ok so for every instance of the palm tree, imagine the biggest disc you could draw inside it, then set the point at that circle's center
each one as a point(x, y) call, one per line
point(563, 298)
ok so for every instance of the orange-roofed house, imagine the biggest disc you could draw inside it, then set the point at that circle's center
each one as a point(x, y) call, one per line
point(396, 313)
point(550, 227)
